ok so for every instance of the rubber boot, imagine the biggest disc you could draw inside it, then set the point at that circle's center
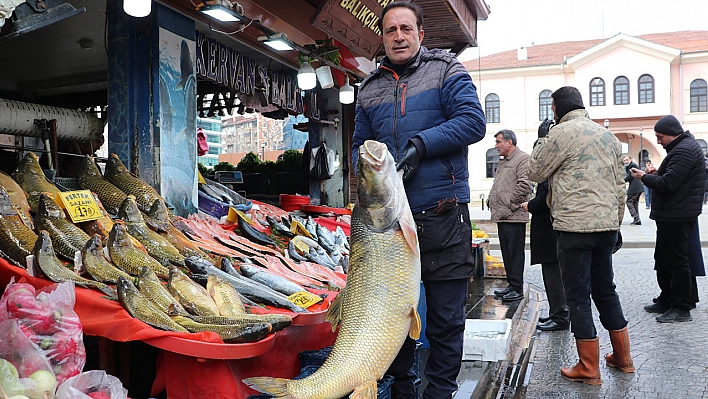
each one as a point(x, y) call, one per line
point(620, 357)
point(588, 368)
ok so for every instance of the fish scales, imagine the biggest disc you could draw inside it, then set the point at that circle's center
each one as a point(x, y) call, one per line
point(142, 309)
point(278, 321)
point(126, 255)
point(30, 176)
point(67, 238)
point(14, 222)
point(18, 197)
point(172, 234)
point(11, 246)
point(377, 310)
point(120, 176)
point(95, 263)
point(151, 287)
point(228, 333)
point(90, 178)
point(191, 295)
point(225, 297)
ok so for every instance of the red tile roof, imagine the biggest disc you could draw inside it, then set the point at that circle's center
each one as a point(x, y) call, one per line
point(552, 54)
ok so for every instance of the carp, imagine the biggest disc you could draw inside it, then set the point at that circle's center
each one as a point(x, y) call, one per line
point(377, 309)
point(225, 297)
point(191, 295)
point(159, 219)
point(11, 247)
point(15, 223)
point(66, 236)
point(31, 178)
point(142, 309)
point(121, 177)
point(103, 226)
point(229, 333)
point(90, 178)
point(95, 263)
point(151, 287)
point(18, 197)
point(46, 260)
point(278, 321)
point(127, 257)
point(157, 246)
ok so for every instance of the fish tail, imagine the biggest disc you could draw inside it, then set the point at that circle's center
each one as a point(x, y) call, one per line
point(278, 387)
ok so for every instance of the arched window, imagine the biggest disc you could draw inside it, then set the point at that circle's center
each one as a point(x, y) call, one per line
point(699, 96)
point(646, 89)
point(597, 92)
point(621, 90)
point(491, 108)
point(492, 162)
point(544, 105)
point(704, 146)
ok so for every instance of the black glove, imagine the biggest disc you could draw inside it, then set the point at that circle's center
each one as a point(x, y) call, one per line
point(544, 127)
point(409, 162)
point(618, 244)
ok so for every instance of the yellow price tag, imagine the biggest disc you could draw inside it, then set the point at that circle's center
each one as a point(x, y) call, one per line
point(235, 213)
point(200, 178)
point(304, 299)
point(80, 205)
point(298, 229)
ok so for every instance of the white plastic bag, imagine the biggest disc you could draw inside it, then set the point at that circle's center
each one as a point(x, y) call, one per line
point(94, 384)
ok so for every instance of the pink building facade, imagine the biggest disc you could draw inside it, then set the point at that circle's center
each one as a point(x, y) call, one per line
point(627, 83)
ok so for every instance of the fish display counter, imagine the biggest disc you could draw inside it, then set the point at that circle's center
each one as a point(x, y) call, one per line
point(196, 365)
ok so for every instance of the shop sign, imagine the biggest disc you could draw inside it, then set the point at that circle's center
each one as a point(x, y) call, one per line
point(227, 67)
point(352, 22)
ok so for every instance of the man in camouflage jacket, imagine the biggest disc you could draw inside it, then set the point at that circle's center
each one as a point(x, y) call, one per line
point(583, 164)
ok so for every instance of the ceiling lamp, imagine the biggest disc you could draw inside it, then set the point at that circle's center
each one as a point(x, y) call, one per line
point(137, 8)
point(346, 92)
point(277, 42)
point(221, 10)
point(306, 78)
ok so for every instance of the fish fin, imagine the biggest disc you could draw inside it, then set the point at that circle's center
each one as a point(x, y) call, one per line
point(409, 230)
point(334, 313)
point(416, 325)
point(108, 290)
point(368, 391)
point(278, 387)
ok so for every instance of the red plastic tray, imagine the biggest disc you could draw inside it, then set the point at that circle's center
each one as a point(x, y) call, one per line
point(210, 350)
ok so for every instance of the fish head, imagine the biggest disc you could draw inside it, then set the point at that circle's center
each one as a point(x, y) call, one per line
point(7, 208)
point(379, 186)
point(118, 237)
point(158, 211)
point(114, 166)
point(94, 245)
point(43, 246)
point(29, 164)
point(129, 210)
point(88, 167)
point(47, 207)
point(147, 273)
point(125, 288)
point(175, 274)
point(197, 265)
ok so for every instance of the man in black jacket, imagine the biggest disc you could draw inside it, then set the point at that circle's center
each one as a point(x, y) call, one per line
point(634, 191)
point(677, 200)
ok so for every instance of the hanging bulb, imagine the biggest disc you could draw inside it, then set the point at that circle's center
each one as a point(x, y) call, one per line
point(346, 92)
point(137, 8)
point(306, 77)
point(336, 160)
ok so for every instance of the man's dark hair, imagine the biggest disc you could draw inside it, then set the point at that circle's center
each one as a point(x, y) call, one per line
point(568, 94)
point(507, 135)
point(405, 4)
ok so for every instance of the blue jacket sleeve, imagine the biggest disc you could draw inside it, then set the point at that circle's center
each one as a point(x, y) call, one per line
point(362, 132)
point(465, 123)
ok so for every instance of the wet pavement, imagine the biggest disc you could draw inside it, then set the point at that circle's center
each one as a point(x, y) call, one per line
point(671, 359)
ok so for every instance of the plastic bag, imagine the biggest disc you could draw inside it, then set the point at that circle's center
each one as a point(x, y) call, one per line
point(202, 144)
point(322, 163)
point(95, 384)
point(48, 319)
point(22, 364)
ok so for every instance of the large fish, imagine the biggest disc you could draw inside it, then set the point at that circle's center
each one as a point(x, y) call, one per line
point(90, 178)
point(159, 219)
point(127, 257)
point(142, 309)
point(157, 246)
point(278, 283)
point(95, 263)
point(11, 247)
point(31, 178)
point(377, 309)
point(15, 223)
point(151, 287)
point(121, 177)
point(238, 333)
point(191, 295)
point(18, 197)
point(66, 236)
point(225, 297)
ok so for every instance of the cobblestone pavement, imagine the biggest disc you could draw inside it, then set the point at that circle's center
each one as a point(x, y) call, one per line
point(671, 359)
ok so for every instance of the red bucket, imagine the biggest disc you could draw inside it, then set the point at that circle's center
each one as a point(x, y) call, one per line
point(290, 203)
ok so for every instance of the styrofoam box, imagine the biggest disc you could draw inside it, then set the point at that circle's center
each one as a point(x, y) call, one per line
point(486, 340)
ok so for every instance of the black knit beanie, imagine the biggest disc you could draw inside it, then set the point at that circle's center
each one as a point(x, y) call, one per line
point(669, 126)
point(567, 99)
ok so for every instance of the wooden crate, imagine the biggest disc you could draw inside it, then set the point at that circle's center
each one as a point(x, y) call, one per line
point(494, 269)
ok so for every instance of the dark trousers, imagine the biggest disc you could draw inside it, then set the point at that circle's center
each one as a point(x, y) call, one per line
point(586, 266)
point(552, 280)
point(512, 237)
point(647, 196)
point(633, 205)
point(671, 263)
point(444, 328)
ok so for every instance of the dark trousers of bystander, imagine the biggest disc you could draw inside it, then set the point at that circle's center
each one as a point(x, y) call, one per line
point(671, 263)
point(586, 266)
point(512, 238)
point(444, 329)
point(633, 205)
point(553, 282)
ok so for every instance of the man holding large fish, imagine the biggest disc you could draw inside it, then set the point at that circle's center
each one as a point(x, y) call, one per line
point(423, 105)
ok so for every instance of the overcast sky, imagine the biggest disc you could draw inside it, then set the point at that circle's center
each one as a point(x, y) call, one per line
point(521, 23)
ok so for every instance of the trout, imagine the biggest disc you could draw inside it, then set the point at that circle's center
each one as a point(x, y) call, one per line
point(142, 309)
point(157, 246)
point(127, 257)
point(31, 178)
point(377, 309)
point(119, 175)
point(66, 236)
point(18, 197)
point(90, 178)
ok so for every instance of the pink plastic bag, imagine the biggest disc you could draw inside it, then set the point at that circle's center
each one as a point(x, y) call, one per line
point(202, 144)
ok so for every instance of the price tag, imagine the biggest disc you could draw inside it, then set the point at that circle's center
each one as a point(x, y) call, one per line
point(304, 299)
point(200, 178)
point(80, 205)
